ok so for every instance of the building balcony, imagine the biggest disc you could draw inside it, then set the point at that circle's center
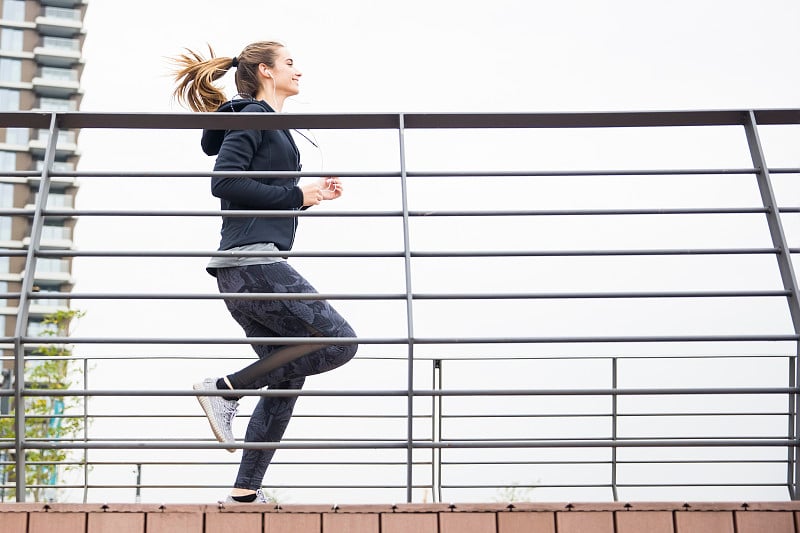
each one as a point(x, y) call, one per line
point(57, 57)
point(59, 22)
point(51, 243)
point(65, 146)
point(55, 88)
point(63, 3)
point(60, 277)
point(54, 201)
point(46, 306)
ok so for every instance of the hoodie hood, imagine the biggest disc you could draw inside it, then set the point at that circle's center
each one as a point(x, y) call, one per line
point(212, 139)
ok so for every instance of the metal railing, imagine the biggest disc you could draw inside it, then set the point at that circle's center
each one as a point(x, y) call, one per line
point(584, 410)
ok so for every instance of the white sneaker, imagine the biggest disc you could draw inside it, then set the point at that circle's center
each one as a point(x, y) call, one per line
point(219, 411)
point(260, 498)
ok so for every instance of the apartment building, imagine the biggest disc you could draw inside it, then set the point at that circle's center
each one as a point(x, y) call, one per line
point(40, 69)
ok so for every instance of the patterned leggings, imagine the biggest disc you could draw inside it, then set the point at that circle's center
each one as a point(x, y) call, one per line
point(279, 367)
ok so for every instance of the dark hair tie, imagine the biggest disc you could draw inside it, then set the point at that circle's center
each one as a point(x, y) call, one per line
point(234, 62)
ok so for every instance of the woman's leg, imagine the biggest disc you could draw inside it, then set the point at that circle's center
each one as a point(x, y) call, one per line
point(283, 318)
point(267, 424)
point(279, 367)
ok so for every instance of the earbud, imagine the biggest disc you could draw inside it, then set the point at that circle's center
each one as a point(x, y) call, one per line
point(269, 74)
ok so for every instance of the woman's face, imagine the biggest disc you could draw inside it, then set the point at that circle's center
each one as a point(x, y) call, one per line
point(285, 75)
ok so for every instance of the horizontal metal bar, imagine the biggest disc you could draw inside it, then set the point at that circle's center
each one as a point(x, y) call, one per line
point(189, 486)
point(420, 358)
point(410, 120)
point(414, 254)
point(445, 462)
point(606, 415)
point(27, 119)
point(385, 214)
point(588, 438)
point(595, 172)
point(403, 296)
point(417, 392)
point(222, 463)
point(413, 213)
point(200, 416)
point(598, 253)
point(521, 173)
point(789, 337)
point(404, 444)
point(225, 121)
point(392, 120)
point(608, 485)
point(784, 170)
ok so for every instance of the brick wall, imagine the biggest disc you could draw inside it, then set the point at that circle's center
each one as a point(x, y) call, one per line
point(759, 517)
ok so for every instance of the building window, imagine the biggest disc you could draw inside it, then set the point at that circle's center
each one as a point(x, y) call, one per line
point(9, 100)
point(55, 199)
point(58, 166)
point(62, 13)
point(61, 74)
point(47, 264)
point(14, 10)
point(55, 233)
point(37, 328)
point(64, 136)
point(62, 43)
point(8, 161)
point(6, 200)
point(5, 228)
point(17, 136)
point(49, 302)
point(10, 70)
point(56, 104)
point(6, 195)
point(11, 40)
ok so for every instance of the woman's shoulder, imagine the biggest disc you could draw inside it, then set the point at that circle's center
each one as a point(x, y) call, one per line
point(255, 106)
point(244, 106)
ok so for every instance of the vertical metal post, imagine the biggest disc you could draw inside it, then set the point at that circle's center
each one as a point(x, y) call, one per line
point(791, 480)
point(614, 429)
point(138, 483)
point(20, 330)
point(783, 257)
point(85, 431)
point(437, 422)
point(5, 409)
point(409, 311)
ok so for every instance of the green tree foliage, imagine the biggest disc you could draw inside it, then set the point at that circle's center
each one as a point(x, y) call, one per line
point(47, 417)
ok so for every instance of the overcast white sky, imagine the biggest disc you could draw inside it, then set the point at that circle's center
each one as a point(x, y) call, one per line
point(453, 56)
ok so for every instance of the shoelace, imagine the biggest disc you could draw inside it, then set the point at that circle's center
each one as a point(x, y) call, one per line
point(230, 410)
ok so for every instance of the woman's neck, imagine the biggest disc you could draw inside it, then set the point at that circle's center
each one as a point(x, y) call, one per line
point(275, 102)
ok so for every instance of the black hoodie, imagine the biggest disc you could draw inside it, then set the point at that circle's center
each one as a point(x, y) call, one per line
point(256, 150)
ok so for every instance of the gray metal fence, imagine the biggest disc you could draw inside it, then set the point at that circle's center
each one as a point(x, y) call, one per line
point(525, 369)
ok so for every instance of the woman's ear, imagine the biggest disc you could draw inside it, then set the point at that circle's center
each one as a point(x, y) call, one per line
point(263, 69)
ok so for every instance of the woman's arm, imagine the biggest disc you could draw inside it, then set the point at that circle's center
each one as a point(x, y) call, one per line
point(235, 155)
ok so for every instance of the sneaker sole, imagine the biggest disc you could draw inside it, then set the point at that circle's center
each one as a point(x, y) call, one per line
point(205, 403)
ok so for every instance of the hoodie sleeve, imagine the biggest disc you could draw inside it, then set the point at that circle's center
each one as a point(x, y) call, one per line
point(235, 154)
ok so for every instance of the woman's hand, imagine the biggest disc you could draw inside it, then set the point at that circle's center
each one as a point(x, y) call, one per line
point(312, 193)
point(331, 188)
point(316, 191)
